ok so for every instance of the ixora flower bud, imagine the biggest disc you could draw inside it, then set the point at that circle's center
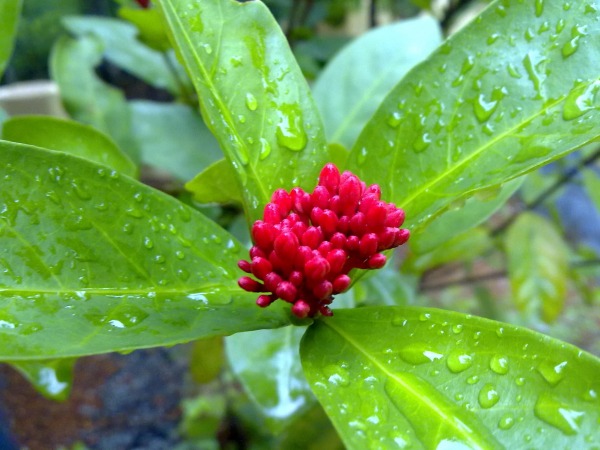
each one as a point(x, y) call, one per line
point(307, 243)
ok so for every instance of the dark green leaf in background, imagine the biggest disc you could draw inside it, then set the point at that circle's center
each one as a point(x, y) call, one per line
point(70, 137)
point(87, 98)
point(437, 379)
point(122, 48)
point(252, 94)
point(216, 184)
point(357, 79)
point(513, 90)
point(92, 261)
point(9, 16)
point(538, 266)
point(268, 364)
point(172, 137)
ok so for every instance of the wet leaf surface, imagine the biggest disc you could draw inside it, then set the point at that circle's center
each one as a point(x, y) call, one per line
point(430, 378)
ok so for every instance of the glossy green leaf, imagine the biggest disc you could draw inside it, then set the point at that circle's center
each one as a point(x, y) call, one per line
point(122, 48)
point(52, 378)
point(356, 80)
point(92, 261)
point(462, 217)
point(311, 430)
point(591, 181)
point(252, 94)
point(538, 266)
point(87, 98)
point(439, 379)
point(268, 365)
point(216, 184)
point(173, 137)
point(513, 90)
point(68, 136)
point(9, 16)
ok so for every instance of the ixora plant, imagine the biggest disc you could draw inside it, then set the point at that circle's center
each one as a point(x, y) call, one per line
point(93, 261)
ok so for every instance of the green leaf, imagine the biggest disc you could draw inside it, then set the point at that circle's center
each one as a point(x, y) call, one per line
point(591, 181)
point(52, 378)
point(92, 262)
point(357, 79)
point(462, 217)
point(216, 184)
point(310, 431)
point(513, 90)
point(268, 365)
point(10, 11)
point(85, 96)
point(538, 266)
point(252, 94)
point(68, 136)
point(122, 48)
point(430, 378)
point(150, 26)
point(206, 359)
point(173, 137)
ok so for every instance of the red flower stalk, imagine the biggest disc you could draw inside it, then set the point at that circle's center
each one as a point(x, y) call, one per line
point(306, 244)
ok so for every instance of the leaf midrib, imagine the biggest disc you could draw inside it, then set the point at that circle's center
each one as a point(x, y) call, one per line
point(211, 87)
point(447, 419)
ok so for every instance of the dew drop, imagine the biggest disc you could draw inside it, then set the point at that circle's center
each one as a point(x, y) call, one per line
point(394, 120)
point(362, 156)
point(148, 243)
point(572, 45)
point(457, 329)
point(251, 102)
point(473, 379)
point(539, 7)
point(265, 149)
point(488, 396)
point(499, 364)
point(552, 372)
point(290, 131)
point(484, 109)
point(416, 354)
point(399, 321)
point(337, 375)
point(558, 414)
point(459, 361)
point(207, 48)
point(179, 254)
point(421, 143)
point(506, 422)
point(581, 99)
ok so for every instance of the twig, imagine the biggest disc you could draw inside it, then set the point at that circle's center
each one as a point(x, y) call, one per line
point(543, 196)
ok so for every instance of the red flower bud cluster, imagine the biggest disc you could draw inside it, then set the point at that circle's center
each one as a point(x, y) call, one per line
point(306, 244)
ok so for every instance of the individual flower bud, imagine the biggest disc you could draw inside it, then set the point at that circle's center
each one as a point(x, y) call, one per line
point(264, 300)
point(272, 214)
point(320, 197)
point(368, 245)
point(315, 216)
point(341, 283)
point(316, 268)
point(296, 278)
point(323, 290)
point(303, 254)
point(272, 280)
point(324, 248)
point(325, 311)
point(301, 309)
point(312, 237)
point(330, 178)
point(338, 240)
point(352, 243)
point(386, 238)
point(335, 205)
point(376, 215)
point(287, 291)
point(301, 200)
point(250, 285)
point(282, 199)
point(262, 234)
point(286, 245)
point(350, 192)
point(336, 259)
point(373, 189)
point(377, 261)
point(402, 236)
point(245, 266)
point(328, 222)
point(299, 229)
point(261, 267)
point(395, 218)
point(358, 224)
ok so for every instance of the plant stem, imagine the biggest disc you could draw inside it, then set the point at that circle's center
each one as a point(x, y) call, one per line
point(547, 193)
point(474, 279)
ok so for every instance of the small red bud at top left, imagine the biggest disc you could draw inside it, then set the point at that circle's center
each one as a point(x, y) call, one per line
point(143, 3)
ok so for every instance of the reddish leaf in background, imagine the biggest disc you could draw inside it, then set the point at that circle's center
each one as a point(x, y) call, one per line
point(306, 244)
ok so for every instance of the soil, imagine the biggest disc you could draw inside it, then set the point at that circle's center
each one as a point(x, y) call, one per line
point(117, 402)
